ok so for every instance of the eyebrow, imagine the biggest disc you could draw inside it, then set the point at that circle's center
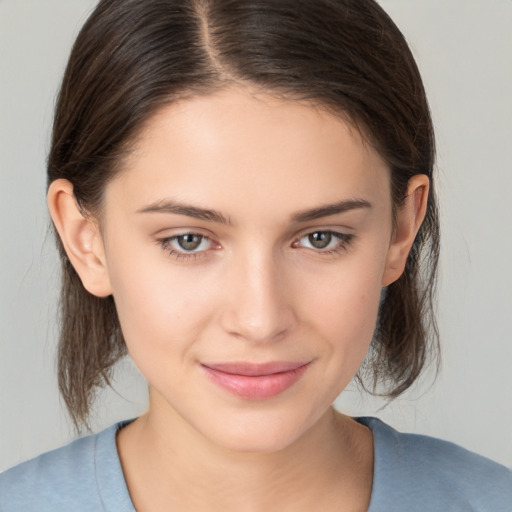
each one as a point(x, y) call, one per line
point(176, 208)
point(169, 206)
point(330, 209)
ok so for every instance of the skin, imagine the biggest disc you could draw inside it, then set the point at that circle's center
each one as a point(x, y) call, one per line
point(255, 289)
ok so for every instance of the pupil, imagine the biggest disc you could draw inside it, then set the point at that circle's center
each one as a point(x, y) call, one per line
point(320, 240)
point(189, 242)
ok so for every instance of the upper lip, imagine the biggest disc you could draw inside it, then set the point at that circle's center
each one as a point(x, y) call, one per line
point(255, 369)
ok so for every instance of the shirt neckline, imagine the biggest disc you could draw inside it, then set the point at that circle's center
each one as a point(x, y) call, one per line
point(113, 489)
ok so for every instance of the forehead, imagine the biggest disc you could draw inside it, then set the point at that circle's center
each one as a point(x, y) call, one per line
point(237, 148)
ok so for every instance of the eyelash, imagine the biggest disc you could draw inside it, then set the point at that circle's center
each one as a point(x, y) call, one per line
point(181, 255)
point(344, 241)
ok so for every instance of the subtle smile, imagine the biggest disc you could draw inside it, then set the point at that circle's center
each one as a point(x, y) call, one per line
point(255, 381)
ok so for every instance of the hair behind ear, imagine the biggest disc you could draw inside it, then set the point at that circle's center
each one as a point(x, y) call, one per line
point(85, 365)
point(406, 336)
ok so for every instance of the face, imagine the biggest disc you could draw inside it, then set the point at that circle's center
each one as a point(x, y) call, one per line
point(246, 242)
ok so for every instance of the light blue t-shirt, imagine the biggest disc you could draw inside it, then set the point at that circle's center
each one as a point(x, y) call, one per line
point(412, 473)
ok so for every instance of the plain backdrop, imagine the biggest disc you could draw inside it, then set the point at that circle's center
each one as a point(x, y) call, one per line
point(464, 50)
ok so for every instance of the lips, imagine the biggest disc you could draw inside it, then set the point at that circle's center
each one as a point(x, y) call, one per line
point(255, 381)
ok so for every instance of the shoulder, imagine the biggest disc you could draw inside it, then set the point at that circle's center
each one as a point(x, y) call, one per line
point(417, 469)
point(71, 477)
point(55, 478)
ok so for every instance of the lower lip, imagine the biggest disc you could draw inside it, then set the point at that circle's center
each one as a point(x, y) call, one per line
point(258, 387)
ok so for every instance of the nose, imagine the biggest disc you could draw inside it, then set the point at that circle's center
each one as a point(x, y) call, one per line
point(259, 306)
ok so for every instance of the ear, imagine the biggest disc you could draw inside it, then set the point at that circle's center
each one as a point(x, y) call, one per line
point(80, 237)
point(409, 219)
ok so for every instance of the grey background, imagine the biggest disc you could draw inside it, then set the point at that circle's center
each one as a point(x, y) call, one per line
point(464, 49)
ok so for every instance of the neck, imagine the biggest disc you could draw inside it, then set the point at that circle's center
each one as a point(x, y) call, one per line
point(167, 463)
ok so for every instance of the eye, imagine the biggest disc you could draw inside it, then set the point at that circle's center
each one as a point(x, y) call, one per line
point(189, 242)
point(186, 245)
point(324, 241)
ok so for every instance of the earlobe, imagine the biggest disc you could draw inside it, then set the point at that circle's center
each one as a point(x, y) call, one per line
point(80, 237)
point(409, 219)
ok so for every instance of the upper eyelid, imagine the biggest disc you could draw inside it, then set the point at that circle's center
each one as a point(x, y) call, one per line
point(333, 231)
point(335, 228)
point(185, 233)
point(170, 238)
point(169, 232)
point(344, 239)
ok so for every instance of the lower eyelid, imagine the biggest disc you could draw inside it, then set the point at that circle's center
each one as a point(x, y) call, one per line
point(180, 255)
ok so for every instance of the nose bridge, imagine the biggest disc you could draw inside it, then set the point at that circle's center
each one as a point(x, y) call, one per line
point(259, 307)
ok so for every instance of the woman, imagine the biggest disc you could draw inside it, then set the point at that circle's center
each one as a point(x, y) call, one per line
point(244, 197)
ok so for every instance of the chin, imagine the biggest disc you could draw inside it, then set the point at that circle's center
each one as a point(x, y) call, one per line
point(259, 433)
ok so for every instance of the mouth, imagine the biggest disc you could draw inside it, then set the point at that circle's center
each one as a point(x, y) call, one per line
point(252, 381)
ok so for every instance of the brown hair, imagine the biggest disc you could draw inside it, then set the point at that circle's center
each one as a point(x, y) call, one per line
point(133, 56)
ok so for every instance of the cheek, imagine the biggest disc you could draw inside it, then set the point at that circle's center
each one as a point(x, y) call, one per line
point(343, 306)
point(353, 312)
point(158, 305)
